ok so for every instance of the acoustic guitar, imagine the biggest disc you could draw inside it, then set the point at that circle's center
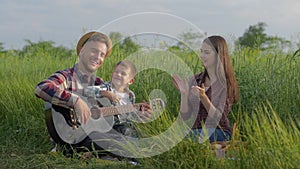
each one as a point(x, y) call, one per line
point(64, 125)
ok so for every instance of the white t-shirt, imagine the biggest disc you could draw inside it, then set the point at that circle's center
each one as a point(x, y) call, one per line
point(123, 101)
point(124, 97)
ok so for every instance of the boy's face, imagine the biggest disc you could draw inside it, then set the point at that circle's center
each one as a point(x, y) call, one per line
point(122, 77)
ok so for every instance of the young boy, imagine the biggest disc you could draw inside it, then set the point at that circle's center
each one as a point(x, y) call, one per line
point(122, 77)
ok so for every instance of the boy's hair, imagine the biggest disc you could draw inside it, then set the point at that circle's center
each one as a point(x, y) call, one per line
point(129, 65)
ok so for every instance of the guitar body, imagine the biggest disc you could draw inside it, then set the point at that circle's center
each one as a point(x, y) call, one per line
point(61, 129)
point(64, 125)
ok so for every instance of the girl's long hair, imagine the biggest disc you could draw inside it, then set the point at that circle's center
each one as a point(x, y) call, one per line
point(224, 67)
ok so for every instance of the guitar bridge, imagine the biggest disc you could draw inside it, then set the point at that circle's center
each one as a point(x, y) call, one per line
point(74, 119)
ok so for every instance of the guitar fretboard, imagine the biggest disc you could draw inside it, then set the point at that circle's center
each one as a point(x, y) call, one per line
point(116, 110)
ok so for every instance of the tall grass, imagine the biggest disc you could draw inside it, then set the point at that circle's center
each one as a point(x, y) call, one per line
point(272, 76)
point(267, 114)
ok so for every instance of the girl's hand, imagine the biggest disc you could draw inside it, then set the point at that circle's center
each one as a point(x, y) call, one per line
point(199, 91)
point(180, 84)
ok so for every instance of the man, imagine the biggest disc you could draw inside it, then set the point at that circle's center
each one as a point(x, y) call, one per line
point(64, 87)
point(59, 88)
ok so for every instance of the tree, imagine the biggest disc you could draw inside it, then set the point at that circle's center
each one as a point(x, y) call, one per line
point(255, 37)
point(1, 47)
point(190, 39)
point(115, 37)
point(129, 46)
point(48, 47)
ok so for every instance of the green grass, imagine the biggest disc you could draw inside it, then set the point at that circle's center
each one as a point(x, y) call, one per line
point(267, 114)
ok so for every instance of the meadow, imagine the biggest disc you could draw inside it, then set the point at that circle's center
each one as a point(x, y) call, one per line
point(267, 115)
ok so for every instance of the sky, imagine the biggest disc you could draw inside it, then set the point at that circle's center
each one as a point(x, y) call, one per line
point(64, 21)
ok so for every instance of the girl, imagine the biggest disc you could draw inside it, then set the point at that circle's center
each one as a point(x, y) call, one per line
point(209, 95)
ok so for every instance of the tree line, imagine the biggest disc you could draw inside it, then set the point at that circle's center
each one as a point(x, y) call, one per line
point(254, 37)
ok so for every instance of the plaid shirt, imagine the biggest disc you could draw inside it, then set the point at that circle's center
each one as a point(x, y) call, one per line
point(59, 88)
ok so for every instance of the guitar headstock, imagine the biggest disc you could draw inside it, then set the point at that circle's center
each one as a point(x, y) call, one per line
point(157, 104)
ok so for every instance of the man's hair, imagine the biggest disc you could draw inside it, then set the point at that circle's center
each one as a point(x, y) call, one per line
point(128, 64)
point(95, 36)
point(99, 38)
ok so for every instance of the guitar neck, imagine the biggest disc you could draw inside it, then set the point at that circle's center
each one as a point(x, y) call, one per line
point(117, 110)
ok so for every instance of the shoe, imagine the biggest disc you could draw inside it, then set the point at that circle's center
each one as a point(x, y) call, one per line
point(108, 157)
point(54, 149)
point(133, 161)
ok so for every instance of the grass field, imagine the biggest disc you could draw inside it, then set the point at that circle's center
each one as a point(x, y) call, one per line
point(267, 115)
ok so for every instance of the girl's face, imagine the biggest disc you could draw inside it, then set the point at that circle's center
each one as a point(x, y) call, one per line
point(208, 56)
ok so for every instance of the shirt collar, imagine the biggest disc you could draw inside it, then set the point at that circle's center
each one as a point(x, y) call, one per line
point(83, 77)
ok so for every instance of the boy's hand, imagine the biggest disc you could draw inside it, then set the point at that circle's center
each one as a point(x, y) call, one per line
point(145, 112)
point(111, 96)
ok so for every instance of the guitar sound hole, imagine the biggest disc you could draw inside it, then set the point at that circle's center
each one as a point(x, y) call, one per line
point(95, 113)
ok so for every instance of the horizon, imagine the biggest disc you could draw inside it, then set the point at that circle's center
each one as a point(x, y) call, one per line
point(63, 22)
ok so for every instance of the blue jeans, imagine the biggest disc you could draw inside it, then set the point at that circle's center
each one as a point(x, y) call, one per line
point(214, 135)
